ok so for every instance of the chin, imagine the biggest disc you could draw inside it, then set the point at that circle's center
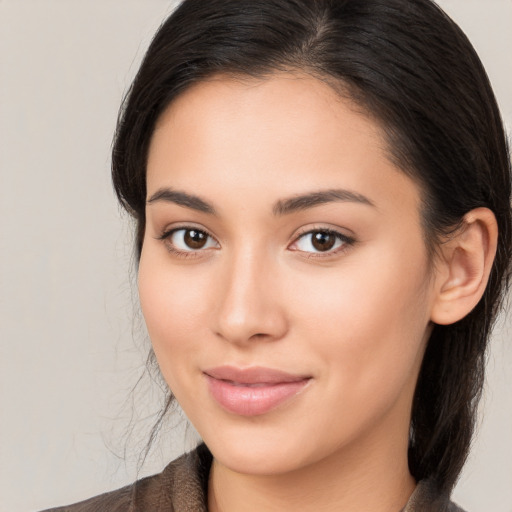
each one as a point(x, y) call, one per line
point(255, 461)
point(258, 451)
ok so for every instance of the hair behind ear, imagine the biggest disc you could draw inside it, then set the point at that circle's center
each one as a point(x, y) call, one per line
point(451, 378)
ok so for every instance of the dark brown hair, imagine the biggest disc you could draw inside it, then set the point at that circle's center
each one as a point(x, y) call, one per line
point(408, 66)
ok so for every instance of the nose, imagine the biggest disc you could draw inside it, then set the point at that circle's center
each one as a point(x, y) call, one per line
point(249, 305)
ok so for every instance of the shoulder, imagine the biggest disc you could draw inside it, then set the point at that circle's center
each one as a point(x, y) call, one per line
point(116, 501)
point(427, 498)
point(180, 486)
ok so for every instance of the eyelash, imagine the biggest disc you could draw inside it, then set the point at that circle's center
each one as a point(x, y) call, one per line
point(346, 242)
point(165, 237)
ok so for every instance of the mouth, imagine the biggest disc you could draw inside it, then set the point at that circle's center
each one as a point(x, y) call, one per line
point(253, 391)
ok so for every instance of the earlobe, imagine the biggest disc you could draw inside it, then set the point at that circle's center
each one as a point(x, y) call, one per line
point(466, 262)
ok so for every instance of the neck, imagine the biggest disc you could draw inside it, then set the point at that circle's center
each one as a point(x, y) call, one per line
point(375, 478)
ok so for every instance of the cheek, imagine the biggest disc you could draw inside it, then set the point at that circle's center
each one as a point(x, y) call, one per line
point(369, 321)
point(173, 305)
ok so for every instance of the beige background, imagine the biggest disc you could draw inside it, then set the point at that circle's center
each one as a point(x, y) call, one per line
point(70, 350)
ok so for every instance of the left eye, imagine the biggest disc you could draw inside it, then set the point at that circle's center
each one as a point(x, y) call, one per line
point(320, 241)
point(189, 239)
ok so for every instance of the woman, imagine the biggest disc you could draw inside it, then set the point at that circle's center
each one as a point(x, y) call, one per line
point(321, 192)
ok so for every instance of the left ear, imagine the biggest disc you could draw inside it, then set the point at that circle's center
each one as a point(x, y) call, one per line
point(464, 266)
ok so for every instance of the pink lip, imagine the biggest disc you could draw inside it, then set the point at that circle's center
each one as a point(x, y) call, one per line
point(252, 391)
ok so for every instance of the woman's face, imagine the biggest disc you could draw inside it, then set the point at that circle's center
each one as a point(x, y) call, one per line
point(284, 277)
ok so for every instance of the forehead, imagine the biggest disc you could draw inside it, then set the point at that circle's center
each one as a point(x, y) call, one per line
point(287, 133)
point(291, 97)
point(269, 89)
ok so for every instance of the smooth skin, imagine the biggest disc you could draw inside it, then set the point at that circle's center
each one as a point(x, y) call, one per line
point(337, 287)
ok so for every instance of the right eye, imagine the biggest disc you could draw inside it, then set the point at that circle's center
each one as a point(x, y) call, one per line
point(184, 240)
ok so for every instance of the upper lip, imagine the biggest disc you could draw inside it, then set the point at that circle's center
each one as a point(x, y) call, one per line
point(253, 375)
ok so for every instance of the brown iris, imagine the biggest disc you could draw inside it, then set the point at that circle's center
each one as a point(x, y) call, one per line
point(195, 239)
point(323, 240)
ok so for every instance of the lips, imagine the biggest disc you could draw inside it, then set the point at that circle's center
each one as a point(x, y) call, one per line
point(252, 391)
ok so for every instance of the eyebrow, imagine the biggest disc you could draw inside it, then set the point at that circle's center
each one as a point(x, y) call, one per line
point(281, 207)
point(182, 199)
point(303, 202)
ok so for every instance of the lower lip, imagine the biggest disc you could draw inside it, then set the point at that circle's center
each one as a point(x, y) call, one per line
point(253, 400)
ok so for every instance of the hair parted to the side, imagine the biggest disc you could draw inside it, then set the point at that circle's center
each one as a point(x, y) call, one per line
point(413, 70)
